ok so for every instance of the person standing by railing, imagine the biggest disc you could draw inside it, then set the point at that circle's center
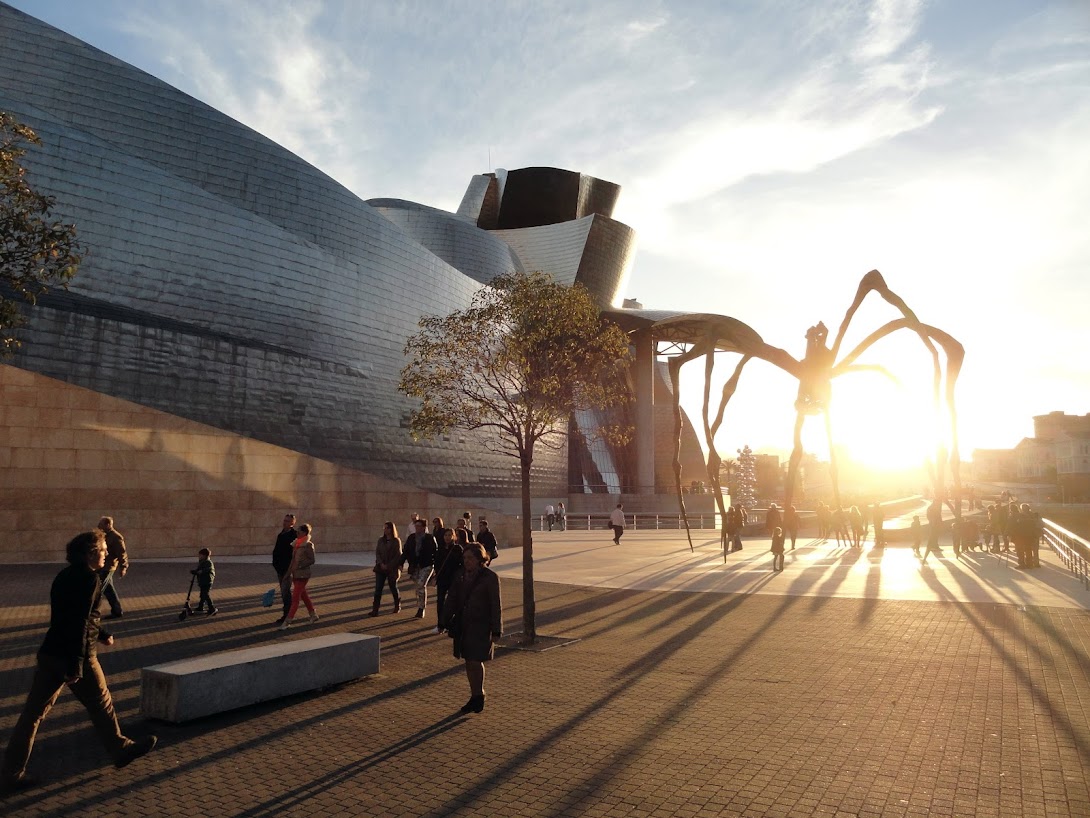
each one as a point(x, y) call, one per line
point(1025, 530)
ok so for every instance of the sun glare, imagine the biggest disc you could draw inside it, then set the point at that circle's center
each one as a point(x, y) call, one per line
point(887, 425)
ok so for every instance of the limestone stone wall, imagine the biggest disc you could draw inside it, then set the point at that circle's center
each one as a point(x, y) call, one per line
point(69, 455)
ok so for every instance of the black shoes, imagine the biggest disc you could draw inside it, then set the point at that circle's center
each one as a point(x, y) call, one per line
point(18, 783)
point(474, 705)
point(117, 615)
point(135, 750)
point(419, 613)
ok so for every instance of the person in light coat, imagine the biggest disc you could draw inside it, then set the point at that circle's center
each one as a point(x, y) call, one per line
point(616, 522)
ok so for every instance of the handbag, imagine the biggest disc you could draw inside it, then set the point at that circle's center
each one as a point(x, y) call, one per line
point(268, 598)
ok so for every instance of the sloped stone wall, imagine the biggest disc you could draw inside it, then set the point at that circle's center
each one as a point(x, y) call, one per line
point(69, 455)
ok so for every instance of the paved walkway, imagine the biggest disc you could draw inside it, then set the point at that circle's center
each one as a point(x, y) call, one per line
point(662, 561)
point(836, 688)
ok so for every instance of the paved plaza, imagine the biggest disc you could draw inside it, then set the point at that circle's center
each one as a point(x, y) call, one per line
point(854, 683)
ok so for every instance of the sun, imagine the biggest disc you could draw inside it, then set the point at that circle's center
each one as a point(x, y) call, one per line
point(882, 424)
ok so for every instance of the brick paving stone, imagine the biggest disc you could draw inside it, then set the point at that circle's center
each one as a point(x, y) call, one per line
point(671, 704)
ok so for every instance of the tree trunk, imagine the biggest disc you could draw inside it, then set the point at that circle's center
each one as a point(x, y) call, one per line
point(529, 608)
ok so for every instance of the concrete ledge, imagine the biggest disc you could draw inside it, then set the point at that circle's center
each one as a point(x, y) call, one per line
point(192, 688)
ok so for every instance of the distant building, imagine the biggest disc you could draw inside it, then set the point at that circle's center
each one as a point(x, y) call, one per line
point(1058, 426)
point(1058, 454)
point(1035, 460)
point(994, 465)
point(1073, 466)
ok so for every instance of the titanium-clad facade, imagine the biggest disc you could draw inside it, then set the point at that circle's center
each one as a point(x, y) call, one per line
point(229, 282)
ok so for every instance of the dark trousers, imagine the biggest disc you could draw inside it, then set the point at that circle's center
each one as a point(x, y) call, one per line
point(205, 599)
point(441, 589)
point(932, 546)
point(285, 589)
point(618, 530)
point(1028, 554)
point(48, 681)
point(109, 593)
point(381, 579)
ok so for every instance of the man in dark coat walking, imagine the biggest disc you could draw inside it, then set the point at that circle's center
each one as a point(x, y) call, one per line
point(68, 656)
point(281, 561)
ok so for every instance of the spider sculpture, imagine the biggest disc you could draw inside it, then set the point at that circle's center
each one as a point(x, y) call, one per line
point(815, 373)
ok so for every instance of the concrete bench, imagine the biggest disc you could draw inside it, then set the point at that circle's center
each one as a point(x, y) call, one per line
point(192, 688)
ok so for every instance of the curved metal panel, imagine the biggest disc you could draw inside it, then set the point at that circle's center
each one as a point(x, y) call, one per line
point(479, 254)
point(229, 282)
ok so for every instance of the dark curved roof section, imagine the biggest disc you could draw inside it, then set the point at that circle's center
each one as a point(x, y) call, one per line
point(730, 334)
point(688, 327)
point(536, 196)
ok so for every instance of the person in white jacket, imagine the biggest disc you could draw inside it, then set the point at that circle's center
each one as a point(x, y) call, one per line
point(616, 522)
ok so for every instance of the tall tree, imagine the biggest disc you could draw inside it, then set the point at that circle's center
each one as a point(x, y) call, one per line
point(524, 356)
point(35, 251)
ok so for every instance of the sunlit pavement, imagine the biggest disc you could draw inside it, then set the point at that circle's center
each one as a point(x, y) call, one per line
point(662, 561)
point(835, 688)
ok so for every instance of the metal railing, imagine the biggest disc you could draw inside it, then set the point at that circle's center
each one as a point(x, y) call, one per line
point(648, 521)
point(633, 522)
point(1073, 550)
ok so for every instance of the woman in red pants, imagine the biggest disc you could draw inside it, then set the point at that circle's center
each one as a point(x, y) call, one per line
point(302, 560)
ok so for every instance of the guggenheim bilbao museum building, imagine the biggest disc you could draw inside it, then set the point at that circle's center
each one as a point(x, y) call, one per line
point(233, 293)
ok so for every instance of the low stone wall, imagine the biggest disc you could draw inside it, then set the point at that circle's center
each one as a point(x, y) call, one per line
point(218, 682)
point(69, 456)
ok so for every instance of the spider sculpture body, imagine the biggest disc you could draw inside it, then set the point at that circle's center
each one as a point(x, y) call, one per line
point(815, 373)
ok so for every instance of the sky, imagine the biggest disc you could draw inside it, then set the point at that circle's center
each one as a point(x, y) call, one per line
point(770, 153)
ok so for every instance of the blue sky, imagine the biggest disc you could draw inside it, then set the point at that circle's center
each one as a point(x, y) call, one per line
point(770, 154)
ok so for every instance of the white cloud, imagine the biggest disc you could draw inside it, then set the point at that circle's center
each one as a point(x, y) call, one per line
point(890, 24)
point(270, 68)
